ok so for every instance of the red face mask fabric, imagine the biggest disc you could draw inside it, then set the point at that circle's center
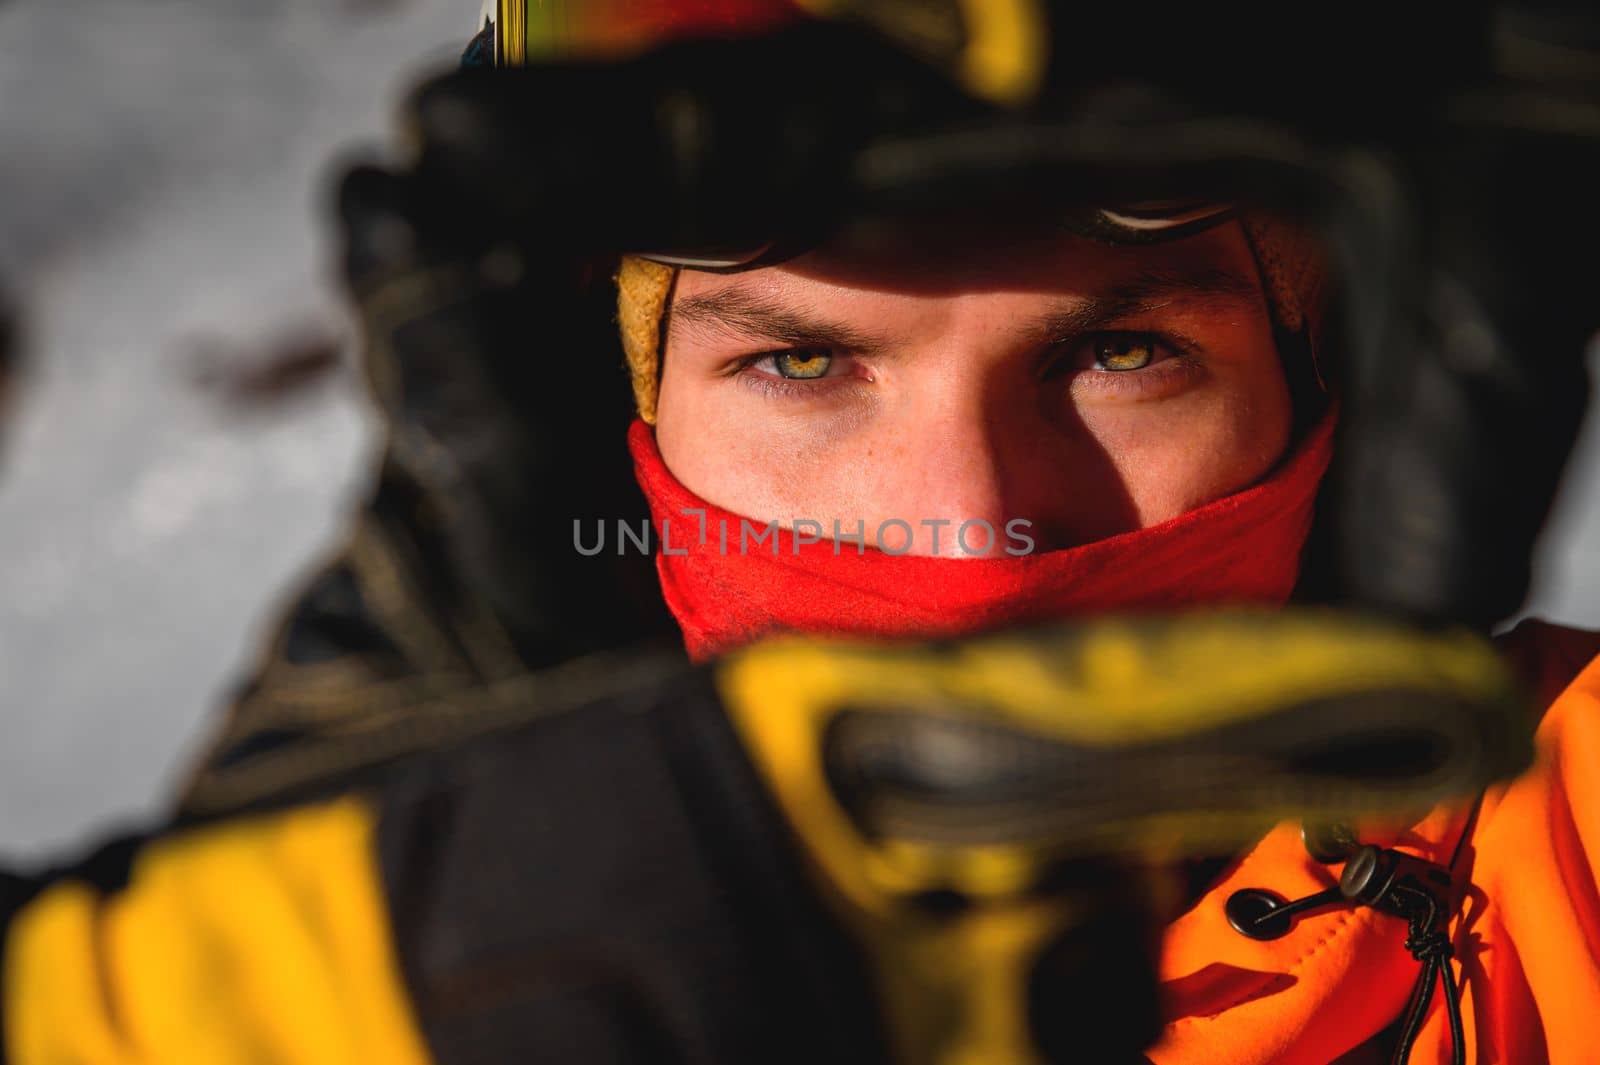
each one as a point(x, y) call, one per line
point(729, 581)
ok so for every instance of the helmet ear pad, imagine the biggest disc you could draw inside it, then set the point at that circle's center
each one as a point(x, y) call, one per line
point(644, 291)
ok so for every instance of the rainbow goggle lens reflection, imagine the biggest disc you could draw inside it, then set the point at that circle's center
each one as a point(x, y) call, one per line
point(532, 29)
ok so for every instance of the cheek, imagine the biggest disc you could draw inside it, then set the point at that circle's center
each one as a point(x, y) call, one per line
point(700, 441)
point(1175, 456)
point(749, 455)
point(1215, 439)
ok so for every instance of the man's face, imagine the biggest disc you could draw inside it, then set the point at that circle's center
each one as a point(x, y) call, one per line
point(1088, 389)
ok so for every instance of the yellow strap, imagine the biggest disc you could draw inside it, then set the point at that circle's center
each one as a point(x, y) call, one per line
point(1006, 57)
point(264, 941)
point(997, 49)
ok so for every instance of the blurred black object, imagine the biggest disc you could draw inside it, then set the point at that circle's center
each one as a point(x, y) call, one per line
point(488, 358)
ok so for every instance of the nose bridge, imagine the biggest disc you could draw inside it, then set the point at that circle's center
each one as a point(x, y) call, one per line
point(960, 463)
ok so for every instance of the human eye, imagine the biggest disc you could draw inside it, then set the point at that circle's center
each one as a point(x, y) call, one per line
point(1111, 351)
point(813, 373)
point(1122, 352)
point(796, 364)
point(1125, 365)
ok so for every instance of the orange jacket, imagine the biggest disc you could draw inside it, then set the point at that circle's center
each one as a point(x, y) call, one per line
point(1526, 939)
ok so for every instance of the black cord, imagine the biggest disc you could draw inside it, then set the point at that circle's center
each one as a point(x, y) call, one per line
point(1421, 998)
point(1429, 942)
point(1452, 990)
point(1458, 1035)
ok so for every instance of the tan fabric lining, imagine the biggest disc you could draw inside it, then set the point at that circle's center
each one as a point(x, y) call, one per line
point(643, 289)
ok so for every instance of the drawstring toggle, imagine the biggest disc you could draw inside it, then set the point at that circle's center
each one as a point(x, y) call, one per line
point(1413, 889)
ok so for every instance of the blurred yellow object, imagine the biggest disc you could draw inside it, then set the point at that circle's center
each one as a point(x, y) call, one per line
point(262, 940)
point(974, 774)
point(996, 49)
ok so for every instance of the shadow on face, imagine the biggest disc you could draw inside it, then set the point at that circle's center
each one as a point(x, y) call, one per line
point(1084, 388)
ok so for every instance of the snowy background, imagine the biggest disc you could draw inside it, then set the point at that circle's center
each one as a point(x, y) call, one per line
point(163, 179)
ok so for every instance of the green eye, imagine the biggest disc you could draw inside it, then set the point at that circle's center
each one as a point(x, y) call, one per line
point(1124, 351)
point(802, 364)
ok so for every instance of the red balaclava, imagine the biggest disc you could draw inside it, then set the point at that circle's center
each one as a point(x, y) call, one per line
point(1241, 549)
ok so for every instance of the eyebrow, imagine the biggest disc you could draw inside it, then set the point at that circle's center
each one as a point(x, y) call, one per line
point(1150, 290)
point(737, 312)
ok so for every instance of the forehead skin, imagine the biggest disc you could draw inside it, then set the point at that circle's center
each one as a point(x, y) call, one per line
point(945, 413)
